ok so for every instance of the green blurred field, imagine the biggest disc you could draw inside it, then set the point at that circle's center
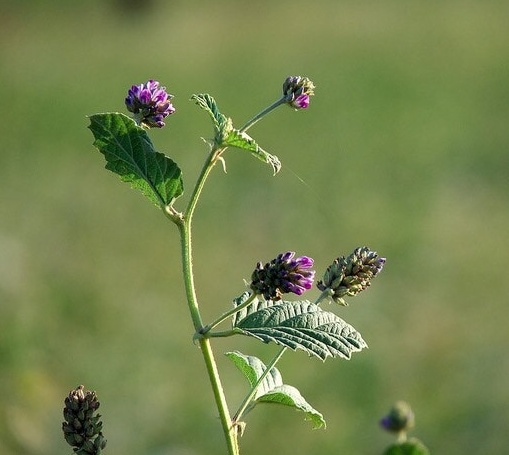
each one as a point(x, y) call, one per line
point(405, 148)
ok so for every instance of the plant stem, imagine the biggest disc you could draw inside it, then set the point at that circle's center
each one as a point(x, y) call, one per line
point(229, 430)
point(258, 116)
point(184, 225)
point(324, 295)
point(226, 315)
point(214, 155)
point(252, 393)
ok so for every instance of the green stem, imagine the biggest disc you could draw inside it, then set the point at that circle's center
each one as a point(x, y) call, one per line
point(247, 400)
point(184, 221)
point(214, 155)
point(229, 430)
point(227, 314)
point(324, 295)
point(184, 225)
point(258, 116)
point(223, 334)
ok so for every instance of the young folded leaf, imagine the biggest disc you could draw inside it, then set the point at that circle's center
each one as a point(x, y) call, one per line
point(129, 152)
point(272, 389)
point(225, 135)
point(242, 140)
point(299, 325)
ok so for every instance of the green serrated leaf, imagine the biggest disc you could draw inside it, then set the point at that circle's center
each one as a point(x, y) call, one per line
point(299, 325)
point(242, 140)
point(272, 389)
point(129, 152)
point(411, 447)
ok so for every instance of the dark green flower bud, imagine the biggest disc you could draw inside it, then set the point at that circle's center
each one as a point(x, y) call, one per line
point(82, 428)
point(349, 276)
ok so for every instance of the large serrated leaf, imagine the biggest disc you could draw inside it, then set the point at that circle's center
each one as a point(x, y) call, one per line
point(272, 389)
point(299, 325)
point(242, 140)
point(129, 152)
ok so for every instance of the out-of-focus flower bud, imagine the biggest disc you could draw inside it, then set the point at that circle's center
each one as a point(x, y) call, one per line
point(82, 428)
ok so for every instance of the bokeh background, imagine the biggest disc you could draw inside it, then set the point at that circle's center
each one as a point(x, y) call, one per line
point(405, 148)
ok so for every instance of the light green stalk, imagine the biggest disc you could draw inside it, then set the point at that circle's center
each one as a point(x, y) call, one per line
point(184, 223)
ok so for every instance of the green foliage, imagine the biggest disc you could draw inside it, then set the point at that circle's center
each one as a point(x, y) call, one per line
point(272, 389)
point(242, 140)
point(299, 325)
point(225, 135)
point(129, 152)
point(411, 447)
point(222, 124)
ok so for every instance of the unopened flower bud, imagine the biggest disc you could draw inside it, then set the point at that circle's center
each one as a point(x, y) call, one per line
point(297, 90)
point(149, 103)
point(282, 275)
point(348, 276)
point(82, 427)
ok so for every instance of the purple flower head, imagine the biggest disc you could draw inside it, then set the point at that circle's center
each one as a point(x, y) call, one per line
point(282, 275)
point(297, 90)
point(149, 103)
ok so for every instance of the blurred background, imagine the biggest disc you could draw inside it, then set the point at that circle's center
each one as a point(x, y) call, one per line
point(405, 149)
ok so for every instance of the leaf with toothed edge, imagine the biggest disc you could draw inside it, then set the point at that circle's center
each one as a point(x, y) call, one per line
point(242, 140)
point(129, 152)
point(298, 325)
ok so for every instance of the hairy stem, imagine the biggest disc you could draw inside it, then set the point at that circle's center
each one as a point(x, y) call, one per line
point(258, 116)
point(227, 314)
point(184, 224)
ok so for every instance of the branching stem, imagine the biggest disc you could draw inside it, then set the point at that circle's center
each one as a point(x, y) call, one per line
point(227, 314)
point(184, 224)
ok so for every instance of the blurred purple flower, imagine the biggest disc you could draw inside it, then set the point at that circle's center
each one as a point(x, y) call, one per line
point(282, 275)
point(149, 103)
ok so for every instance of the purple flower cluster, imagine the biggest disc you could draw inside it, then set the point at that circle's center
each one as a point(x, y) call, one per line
point(297, 91)
point(149, 103)
point(282, 275)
